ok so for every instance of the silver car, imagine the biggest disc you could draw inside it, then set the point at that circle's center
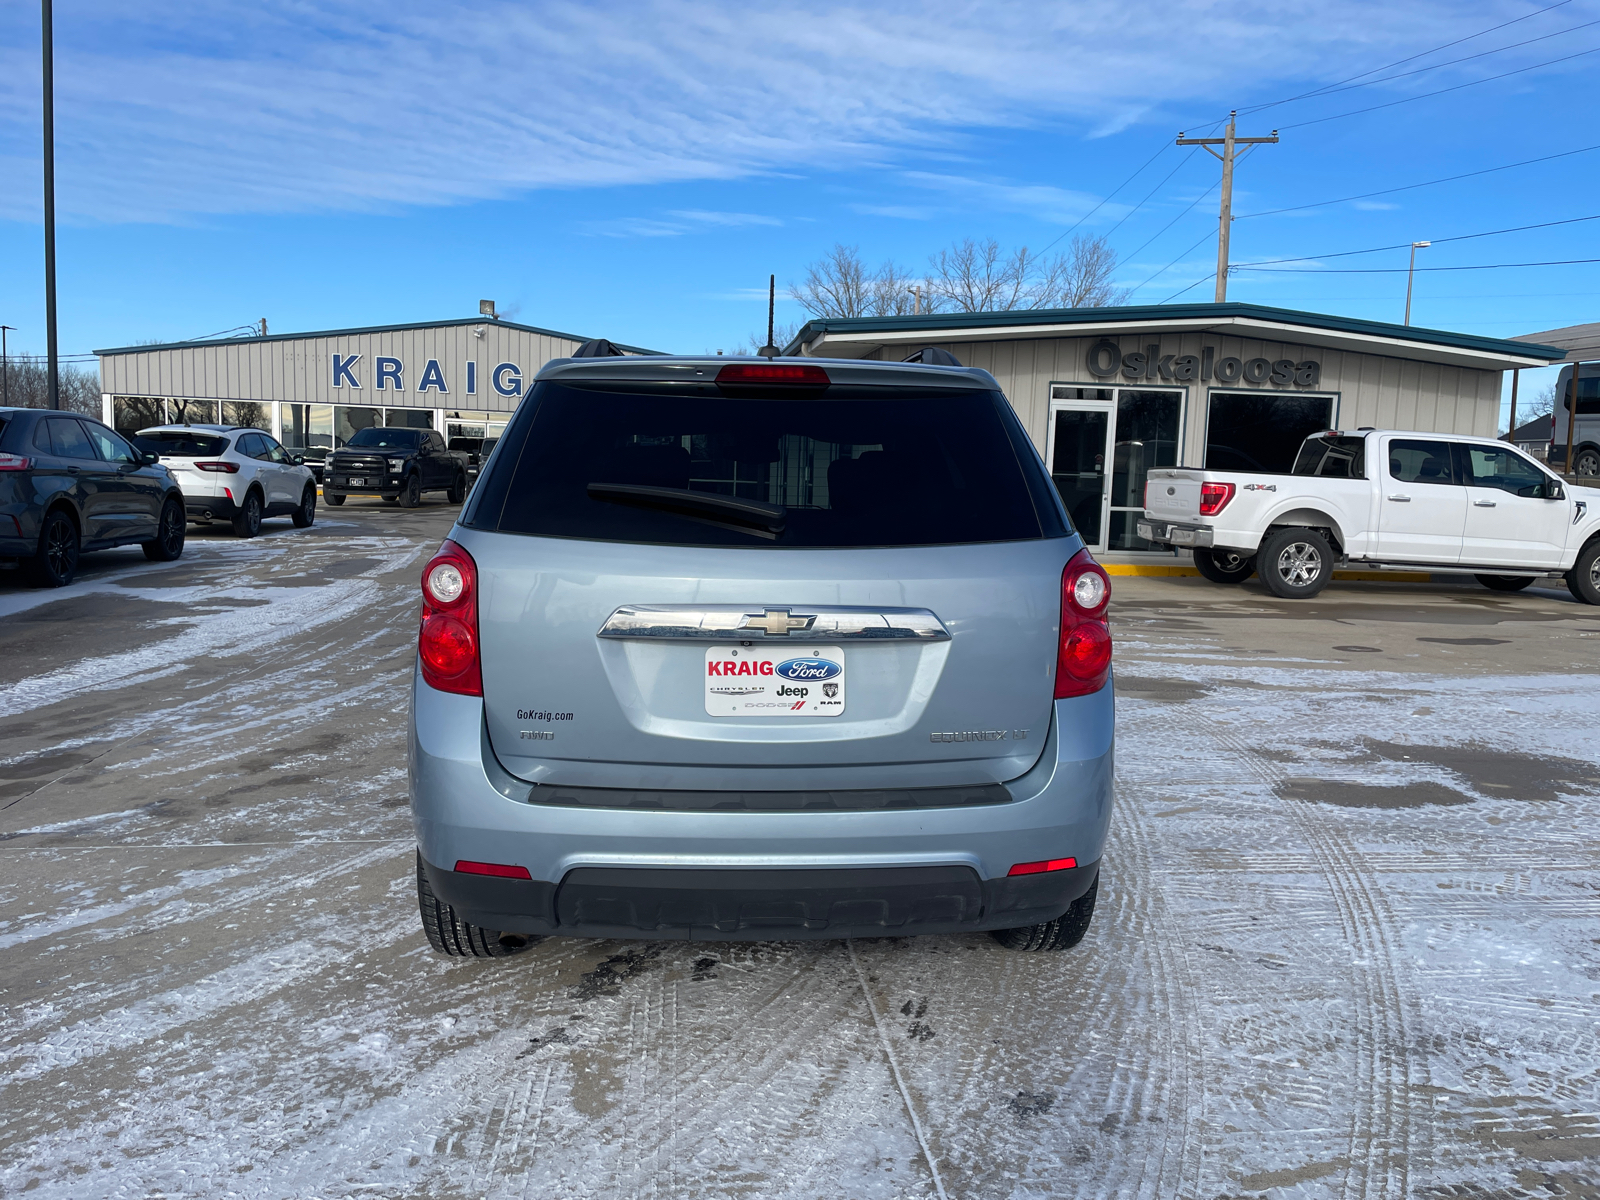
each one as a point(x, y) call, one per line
point(731, 649)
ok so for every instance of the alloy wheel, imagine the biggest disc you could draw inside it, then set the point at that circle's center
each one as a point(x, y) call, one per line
point(172, 531)
point(1299, 564)
point(1588, 464)
point(61, 548)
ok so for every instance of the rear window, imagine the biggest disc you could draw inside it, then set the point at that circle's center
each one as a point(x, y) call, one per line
point(388, 439)
point(1333, 458)
point(843, 467)
point(181, 444)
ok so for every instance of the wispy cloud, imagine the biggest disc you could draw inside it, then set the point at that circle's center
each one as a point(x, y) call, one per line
point(904, 212)
point(168, 109)
point(684, 221)
point(1373, 205)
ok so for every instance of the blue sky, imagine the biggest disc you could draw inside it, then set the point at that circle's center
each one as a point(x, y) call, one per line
point(636, 171)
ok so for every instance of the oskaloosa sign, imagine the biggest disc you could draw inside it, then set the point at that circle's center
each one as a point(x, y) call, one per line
point(1107, 359)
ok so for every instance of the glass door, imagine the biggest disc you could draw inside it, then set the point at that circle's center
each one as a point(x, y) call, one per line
point(1080, 446)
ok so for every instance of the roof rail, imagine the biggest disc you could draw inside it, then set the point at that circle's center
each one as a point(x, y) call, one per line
point(598, 348)
point(934, 357)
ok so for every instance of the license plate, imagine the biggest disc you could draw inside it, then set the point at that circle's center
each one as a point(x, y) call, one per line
point(1183, 537)
point(1145, 531)
point(792, 681)
point(357, 481)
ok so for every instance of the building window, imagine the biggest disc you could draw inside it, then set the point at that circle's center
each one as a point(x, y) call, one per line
point(308, 430)
point(247, 414)
point(408, 418)
point(185, 411)
point(1255, 431)
point(347, 420)
point(129, 414)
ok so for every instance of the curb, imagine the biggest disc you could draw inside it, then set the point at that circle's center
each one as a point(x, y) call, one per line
point(1152, 570)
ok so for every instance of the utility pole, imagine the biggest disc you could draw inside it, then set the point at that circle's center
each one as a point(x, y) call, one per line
point(1410, 271)
point(1228, 157)
point(916, 300)
point(263, 327)
point(48, 39)
point(5, 367)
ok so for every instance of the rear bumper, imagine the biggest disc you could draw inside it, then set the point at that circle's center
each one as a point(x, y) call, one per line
point(719, 874)
point(698, 904)
point(1172, 533)
point(205, 508)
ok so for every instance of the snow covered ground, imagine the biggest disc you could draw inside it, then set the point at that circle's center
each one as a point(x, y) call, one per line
point(1347, 942)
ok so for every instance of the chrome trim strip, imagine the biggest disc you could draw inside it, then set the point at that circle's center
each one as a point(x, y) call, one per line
point(738, 622)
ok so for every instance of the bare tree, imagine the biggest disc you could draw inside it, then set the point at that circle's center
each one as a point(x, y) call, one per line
point(1080, 278)
point(976, 277)
point(836, 285)
point(782, 334)
point(27, 385)
point(892, 293)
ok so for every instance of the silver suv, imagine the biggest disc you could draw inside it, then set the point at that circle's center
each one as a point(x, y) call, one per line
point(732, 649)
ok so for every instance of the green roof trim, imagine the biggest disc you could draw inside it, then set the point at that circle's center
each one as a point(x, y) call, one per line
point(1135, 314)
point(329, 333)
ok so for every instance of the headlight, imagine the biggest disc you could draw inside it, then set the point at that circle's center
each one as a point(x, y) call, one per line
point(396, 465)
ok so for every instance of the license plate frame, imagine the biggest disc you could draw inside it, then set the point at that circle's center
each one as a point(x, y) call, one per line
point(799, 680)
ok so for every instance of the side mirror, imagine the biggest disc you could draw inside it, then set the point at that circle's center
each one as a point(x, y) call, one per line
point(147, 459)
point(299, 460)
point(1554, 491)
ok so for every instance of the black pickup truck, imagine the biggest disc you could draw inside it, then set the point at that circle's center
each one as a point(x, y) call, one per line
point(397, 464)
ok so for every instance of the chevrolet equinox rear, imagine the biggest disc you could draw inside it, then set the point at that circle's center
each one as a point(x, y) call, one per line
point(728, 649)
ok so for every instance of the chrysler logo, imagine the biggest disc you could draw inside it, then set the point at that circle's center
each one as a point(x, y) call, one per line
point(776, 622)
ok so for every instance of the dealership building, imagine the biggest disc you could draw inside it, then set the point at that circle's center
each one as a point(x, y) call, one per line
point(314, 390)
point(1108, 393)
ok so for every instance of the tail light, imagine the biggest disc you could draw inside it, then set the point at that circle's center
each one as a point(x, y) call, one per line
point(15, 462)
point(1214, 498)
point(448, 642)
point(773, 373)
point(227, 468)
point(1037, 868)
point(1083, 660)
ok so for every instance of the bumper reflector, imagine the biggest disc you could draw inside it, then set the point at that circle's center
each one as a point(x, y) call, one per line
point(1035, 868)
point(502, 870)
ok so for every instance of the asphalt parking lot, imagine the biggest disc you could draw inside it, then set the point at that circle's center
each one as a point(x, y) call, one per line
point(1346, 942)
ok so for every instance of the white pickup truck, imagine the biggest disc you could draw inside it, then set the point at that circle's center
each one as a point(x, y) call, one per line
point(1382, 499)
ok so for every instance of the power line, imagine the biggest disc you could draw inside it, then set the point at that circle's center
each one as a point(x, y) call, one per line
point(1442, 91)
point(1204, 237)
point(1460, 237)
point(1560, 262)
point(1203, 195)
point(1338, 84)
point(1272, 212)
point(1108, 197)
point(1544, 37)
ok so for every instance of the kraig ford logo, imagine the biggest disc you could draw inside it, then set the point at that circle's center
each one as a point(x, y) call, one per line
point(808, 668)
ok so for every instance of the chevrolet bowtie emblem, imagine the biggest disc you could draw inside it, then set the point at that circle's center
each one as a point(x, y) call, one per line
point(776, 622)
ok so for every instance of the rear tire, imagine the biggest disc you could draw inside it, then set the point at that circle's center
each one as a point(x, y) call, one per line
point(1065, 932)
point(1583, 581)
point(247, 521)
point(167, 545)
point(307, 512)
point(458, 490)
point(1295, 563)
point(1224, 566)
point(449, 934)
point(1587, 463)
point(1504, 583)
point(411, 495)
point(59, 549)
point(334, 500)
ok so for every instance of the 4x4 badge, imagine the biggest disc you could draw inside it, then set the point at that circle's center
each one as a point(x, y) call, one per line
point(776, 622)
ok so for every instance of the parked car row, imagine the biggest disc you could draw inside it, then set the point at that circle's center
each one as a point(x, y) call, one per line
point(69, 484)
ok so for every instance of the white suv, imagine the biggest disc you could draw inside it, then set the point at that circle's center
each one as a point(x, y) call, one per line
point(240, 475)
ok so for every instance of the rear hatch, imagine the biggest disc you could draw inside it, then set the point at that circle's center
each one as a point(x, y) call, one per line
point(1173, 495)
point(181, 450)
point(768, 587)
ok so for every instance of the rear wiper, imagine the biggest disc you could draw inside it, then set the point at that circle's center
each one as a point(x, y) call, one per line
point(729, 512)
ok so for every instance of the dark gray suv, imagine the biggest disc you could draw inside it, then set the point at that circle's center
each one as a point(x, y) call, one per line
point(732, 649)
point(69, 484)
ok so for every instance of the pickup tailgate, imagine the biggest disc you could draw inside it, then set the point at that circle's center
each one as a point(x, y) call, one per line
point(1173, 494)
